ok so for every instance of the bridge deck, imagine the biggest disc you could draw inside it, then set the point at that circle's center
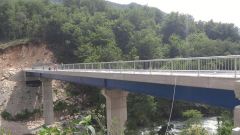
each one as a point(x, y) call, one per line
point(206, 79)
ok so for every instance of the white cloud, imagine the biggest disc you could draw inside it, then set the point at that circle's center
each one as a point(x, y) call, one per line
point(226, 11)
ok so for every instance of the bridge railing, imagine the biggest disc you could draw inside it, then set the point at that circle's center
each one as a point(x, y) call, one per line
point(198, 65)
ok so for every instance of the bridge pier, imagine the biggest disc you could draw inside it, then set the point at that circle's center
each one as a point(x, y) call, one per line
point(236, 113)
point(116, 108)
point(48, 113)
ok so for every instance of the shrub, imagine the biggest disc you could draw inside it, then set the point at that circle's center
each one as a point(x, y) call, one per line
point(79, 127)
point(192, 116)
point(193, 124)
point(24, 115)
point(60, 106)
point(226, 125)
point(6, 115)
point(194, 130)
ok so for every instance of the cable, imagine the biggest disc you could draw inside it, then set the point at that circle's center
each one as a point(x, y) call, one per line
point(173, 100)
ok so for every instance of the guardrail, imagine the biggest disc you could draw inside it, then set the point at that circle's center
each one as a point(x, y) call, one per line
point(215, 64)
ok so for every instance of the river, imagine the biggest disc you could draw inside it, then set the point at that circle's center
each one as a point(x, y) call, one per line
point(209, 123)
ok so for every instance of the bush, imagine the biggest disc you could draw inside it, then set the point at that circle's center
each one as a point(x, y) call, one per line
point(49, 131)
point(192, 116)
point(193, 124)
point(60, 106)
point(194, 130)
point(6, 115)
point(79, 127)
point(226, 125)
point(24, 115)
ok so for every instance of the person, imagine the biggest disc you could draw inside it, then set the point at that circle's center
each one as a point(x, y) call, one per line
point(62, 66)
point(55, 67)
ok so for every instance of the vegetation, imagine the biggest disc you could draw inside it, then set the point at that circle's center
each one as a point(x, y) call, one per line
point(6, 115)
point(192, 116)
point(96, 30)
point(5, 132)
point(83, 126)
point(24, 115)
point(193, 124)
point(225, 125)
point(13, 43)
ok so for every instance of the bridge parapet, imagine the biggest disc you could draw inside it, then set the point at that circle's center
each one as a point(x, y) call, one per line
point(198, 65)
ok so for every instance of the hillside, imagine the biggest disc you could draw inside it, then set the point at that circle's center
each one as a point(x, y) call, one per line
point(14, 95)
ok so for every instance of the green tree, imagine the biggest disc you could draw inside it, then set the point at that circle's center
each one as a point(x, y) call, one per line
point(141, 111)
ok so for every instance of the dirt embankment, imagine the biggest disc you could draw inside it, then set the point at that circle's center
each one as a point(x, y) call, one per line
point(14, 95)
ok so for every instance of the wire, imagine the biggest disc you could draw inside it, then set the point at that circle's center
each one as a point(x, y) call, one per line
point(173, 100)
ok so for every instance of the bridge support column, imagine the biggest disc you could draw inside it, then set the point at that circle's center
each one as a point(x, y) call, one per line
point(48, 113)
point(236, 113)
point(116, 108)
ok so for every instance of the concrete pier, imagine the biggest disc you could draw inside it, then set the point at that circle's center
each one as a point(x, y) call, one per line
point(48, 113)
point(116, 108)
point(237, 89)
point(236, 113)
point(237, 116)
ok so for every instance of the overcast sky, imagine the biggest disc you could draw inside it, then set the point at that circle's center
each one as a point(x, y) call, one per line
point(227, 11)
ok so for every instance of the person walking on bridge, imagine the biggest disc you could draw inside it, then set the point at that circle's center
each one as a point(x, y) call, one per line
point(55, 67)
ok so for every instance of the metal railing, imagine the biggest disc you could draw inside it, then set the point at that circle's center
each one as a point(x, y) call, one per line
point(229, 65)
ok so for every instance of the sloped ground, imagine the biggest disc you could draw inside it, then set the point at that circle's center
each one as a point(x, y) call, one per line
point(14, 95)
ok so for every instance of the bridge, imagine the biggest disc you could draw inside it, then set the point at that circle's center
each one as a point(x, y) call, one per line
point(209, 80)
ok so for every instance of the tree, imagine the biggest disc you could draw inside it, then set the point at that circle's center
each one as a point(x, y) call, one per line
point(175, 23)
point(148, 44)
point(222, 31)
point(141, 111)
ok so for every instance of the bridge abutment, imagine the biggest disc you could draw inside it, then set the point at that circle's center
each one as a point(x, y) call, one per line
point(116, 108)
point(48, 113)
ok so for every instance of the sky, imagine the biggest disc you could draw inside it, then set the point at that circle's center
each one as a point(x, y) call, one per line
point(226, 11)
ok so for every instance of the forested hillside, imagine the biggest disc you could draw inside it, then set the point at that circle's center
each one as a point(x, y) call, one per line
point(96, 30)
point(101, 31)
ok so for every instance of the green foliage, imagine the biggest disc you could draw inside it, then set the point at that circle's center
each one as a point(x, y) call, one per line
point(6, 115)
point(225, 125)
point(60, 105)
point(194, 130)
point(49, 131)
point(81, 127)
point(141, 112)
point(13, 43)
point(5, 132)
point(193, 125)
point(24, 115)
point(192, 116)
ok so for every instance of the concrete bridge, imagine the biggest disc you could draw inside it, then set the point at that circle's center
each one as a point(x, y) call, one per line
point(208, 80)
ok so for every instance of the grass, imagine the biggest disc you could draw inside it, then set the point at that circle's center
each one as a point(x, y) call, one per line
point(13, 43)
